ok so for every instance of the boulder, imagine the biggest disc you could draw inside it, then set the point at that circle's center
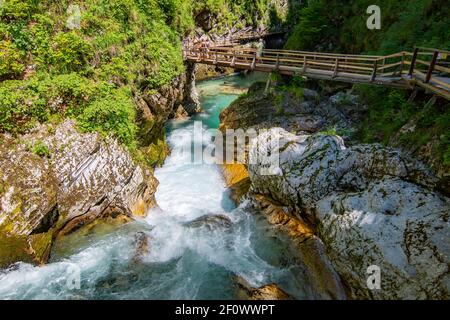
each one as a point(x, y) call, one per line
point(267, 292)
point(301, 112)
point(211, 222)
point(141, 245)
point(370, 205)
point(237, 180)
point(80, 177)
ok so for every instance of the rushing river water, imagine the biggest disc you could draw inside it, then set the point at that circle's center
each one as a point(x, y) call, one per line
point(183, 260)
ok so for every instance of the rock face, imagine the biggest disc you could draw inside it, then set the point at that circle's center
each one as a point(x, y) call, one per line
point(237, 180)
point(81, 178)
point(155, 108)
point(267, 292)
point(370, 206)
point(205, 71)
point(321, 272)
point(191, 102)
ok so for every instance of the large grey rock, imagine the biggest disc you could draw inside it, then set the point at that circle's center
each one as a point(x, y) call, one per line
point(28, 190)
point(83, 177)
point(372, 206)
point(399, 227)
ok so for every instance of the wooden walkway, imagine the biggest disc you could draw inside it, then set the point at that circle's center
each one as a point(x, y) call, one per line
point(424, 67)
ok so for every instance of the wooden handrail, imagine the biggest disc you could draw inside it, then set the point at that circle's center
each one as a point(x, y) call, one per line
point(433, 49)
point(384, 70)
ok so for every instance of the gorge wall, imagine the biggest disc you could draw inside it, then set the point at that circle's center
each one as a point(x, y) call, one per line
point(84, 97)
point(345, 208)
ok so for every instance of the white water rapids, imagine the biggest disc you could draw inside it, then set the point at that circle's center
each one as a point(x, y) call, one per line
point(182, 262)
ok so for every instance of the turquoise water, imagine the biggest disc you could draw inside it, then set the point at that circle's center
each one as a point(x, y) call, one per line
point(181, 261)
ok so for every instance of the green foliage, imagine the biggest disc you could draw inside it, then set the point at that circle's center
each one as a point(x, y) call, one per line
point(321, 23)
point(332, 131)
point(11, 10)
point(97, 106)
point(41, 149)
point(70, 52)
point(10, 60)
point(89, 73)
point(312, 26)
point(113, 113)
point(387, 115)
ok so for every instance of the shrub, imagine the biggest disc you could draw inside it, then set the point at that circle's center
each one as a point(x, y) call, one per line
point(70, 52)
point(113, 113)
point(41, 149)
point(11, 65)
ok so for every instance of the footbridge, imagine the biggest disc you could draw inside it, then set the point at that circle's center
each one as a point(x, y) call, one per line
point(426, 68)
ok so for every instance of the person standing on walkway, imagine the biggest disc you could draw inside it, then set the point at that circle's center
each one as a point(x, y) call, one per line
point(259, 49)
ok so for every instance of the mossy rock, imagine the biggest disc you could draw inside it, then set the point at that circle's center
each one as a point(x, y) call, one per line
point(13, 249)
point(30, 249)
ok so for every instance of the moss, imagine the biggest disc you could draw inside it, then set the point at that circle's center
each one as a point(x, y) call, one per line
point(40, 245)
point(156, 153)
point(41, 149)
point(13, 249)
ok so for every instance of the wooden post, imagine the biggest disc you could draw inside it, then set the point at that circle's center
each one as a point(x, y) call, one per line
point(402, 64)
point(304, 64)
point(374, 72)
point(216, 59)
point(233, 61)
point(431, 68)
point(336, 67)
point(277, 66)
point(253, 62)
point(413, 62)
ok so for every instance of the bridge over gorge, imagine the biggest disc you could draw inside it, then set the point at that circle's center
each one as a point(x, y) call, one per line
point(424, 67)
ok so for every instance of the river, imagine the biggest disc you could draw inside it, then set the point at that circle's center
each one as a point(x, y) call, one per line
point(183, 260)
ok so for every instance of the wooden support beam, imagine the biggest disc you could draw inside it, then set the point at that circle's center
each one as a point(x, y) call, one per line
point(374, 72)
point(401, 65)
point(269, 80)
point(336, 67)
point(254, 62)
point(431, 67)
point(413, 62)
point(233, 61)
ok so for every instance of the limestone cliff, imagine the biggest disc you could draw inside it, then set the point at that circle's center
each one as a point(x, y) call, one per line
point(346, 208)
point(369, 205)
point(55, 180)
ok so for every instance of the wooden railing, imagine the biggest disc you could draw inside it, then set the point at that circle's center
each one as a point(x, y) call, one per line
point(428, 68)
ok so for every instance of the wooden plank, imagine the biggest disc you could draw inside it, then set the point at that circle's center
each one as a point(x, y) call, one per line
point(388, 66)
point(439, 82)
point(433, 49)
point(441, 68)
